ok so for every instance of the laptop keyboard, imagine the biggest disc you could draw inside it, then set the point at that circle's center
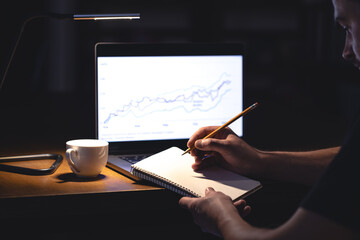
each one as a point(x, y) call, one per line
point(133, 158)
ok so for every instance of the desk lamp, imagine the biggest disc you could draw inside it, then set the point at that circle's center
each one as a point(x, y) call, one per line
point(75, 17)
point(58, 158)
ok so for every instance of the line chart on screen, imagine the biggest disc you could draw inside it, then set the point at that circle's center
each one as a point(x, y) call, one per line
point(165, 99)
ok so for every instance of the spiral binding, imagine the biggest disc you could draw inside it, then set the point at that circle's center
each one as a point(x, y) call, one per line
point(164, 182)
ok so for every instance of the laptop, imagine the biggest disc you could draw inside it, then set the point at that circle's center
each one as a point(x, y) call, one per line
point(150, 97)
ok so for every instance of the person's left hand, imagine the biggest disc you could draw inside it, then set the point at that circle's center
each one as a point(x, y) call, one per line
point(214, 209)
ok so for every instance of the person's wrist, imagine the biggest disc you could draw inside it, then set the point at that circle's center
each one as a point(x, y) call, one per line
point(227, 222)
point(259, 168)
point(235, 227)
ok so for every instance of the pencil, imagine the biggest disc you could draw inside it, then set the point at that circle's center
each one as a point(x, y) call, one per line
point(225, 125)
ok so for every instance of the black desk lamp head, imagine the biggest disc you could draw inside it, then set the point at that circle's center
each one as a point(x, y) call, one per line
point(75, 17)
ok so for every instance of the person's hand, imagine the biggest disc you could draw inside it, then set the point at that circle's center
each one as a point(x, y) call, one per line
point(214, 209)
point(225, 149)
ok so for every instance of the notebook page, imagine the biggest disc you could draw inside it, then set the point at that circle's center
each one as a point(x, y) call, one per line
point(171, 165)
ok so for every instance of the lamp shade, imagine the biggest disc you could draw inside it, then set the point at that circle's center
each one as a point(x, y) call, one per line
point(76, 17)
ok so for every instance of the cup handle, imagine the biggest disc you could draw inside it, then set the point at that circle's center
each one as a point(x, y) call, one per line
point(69, 153)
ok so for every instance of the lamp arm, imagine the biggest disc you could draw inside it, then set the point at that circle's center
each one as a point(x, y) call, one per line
point(18, 38)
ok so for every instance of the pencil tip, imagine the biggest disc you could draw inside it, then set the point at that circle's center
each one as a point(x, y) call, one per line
point(187, 150)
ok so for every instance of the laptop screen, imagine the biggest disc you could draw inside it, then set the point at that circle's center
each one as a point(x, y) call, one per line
point(148, 92)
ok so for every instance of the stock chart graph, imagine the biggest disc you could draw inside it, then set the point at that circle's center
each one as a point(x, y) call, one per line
point(195, 98)
point(168, 98)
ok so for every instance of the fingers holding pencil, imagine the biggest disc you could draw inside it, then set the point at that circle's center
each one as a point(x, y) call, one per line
point(226, 150)
point(218, 150)
point(200, 134)
point(206, 152)
point(218, 129)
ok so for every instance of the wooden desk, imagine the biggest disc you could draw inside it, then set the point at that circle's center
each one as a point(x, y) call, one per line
point(63, 182)
point(63, 205)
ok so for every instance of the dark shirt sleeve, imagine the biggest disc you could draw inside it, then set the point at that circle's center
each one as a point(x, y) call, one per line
point(336, 195)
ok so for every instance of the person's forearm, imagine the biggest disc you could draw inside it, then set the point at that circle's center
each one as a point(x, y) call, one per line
point(234, 227)
point(300, 167)
point(303, 224)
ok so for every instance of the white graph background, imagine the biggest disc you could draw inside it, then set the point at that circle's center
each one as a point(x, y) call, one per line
point(148, 98)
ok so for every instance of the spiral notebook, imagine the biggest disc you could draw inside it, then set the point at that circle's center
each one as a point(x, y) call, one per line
point(173, 171)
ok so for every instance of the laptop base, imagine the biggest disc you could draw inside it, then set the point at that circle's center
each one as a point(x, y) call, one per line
point(122, 164)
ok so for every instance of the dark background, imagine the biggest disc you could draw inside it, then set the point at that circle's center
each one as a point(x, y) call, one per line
point(308, 94)
point(293, 65)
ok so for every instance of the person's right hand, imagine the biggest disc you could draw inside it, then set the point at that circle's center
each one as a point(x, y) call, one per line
point(225, 149)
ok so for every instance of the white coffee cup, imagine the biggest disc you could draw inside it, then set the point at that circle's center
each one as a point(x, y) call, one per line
point(87, 157)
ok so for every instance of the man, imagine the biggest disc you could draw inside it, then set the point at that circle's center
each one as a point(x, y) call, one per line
point(331, 210)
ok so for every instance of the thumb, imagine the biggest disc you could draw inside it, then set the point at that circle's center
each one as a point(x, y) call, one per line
point(210, 144)
point(209, 190)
